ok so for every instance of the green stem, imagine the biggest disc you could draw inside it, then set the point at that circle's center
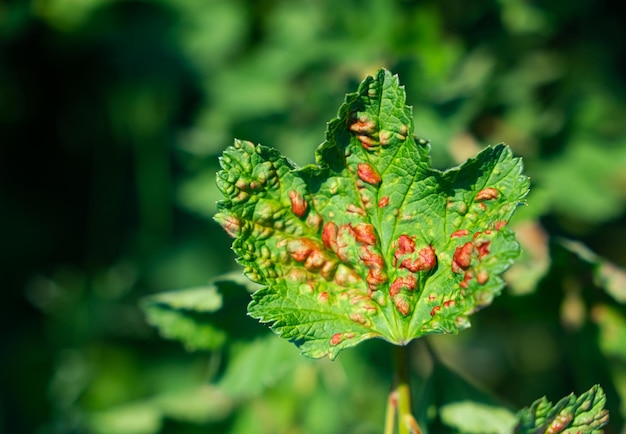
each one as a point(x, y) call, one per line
point(390, 414)
point(406, 421)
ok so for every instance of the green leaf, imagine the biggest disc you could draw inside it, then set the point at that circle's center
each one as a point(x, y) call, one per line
point(372, 241)
point(134, 418)
point(177, 316)
point(190, 315)
point(449, 400)
point(467, 408)
point(257, 365)
point(571, 415)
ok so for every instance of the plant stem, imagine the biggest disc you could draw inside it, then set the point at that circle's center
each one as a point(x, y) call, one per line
point(406, 421)
point(390, 414)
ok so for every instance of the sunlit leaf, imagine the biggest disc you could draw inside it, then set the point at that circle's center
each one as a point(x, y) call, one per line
point(371, 241)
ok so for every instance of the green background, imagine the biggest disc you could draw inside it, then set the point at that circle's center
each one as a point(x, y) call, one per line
point(113, 115)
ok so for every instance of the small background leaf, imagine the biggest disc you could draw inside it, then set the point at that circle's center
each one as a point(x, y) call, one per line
point(191, 315)
point(571, 415)
point(450, 403)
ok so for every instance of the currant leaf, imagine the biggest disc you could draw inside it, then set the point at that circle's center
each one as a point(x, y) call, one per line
point(571, 415)
point(371, 241)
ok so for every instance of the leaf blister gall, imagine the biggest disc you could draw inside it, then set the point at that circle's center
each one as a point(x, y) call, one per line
point(299, 206)
point(460, 233)
point(487, 194)
point(403, 282)
point(401, 304)
point(462, 257)
point(426, 260)
point(339, 249)
point(368, 174)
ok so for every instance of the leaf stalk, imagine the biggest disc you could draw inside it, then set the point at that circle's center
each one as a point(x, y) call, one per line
point(401, 394)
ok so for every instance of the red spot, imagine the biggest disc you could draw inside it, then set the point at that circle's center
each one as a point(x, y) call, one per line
point(466, 278)
point(402, 305)
point(359, 319)
point(499, 225)
point(462, 257)
point(368, 174)
point(405, 282)
point(448, 303)
point(329, 236)
point(487, 194)
point(364, 233)
point(483, 248)
point(365, 126)
point(358, 298)
point(231, 225)
point(375, 277)
point(315, 260)
point(367, 142)
point(351, 208)
point(298, 204)
point(369, 307)
point(435, 310)
point(300, 248)
point(428, 258)
point(406, 244)
point(424, 262)
point(374, 262)
point(336, 339)
point(383, 202)
point(482, 277)
point(432, 297)
point(460, 233)
point(323, 297)
point(369, 258)
point(338, 239)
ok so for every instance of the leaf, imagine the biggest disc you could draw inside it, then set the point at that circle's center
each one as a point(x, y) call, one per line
point(371, 241)
point(571, 415)
point(134, 418)
point(460, 405)
point(176, 317)
point(257, 365)
point(191, 315)
point(607, 275)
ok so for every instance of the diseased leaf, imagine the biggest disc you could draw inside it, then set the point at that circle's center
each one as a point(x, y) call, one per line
point(571, 415)
point(372, 241)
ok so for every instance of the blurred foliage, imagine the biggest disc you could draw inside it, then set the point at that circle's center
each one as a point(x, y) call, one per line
point(113, 113)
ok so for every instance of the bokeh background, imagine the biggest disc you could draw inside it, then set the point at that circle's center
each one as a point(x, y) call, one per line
point(112, 118)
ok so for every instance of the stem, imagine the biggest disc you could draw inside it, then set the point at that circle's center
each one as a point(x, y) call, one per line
point(402, 392)
point(390, 414)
